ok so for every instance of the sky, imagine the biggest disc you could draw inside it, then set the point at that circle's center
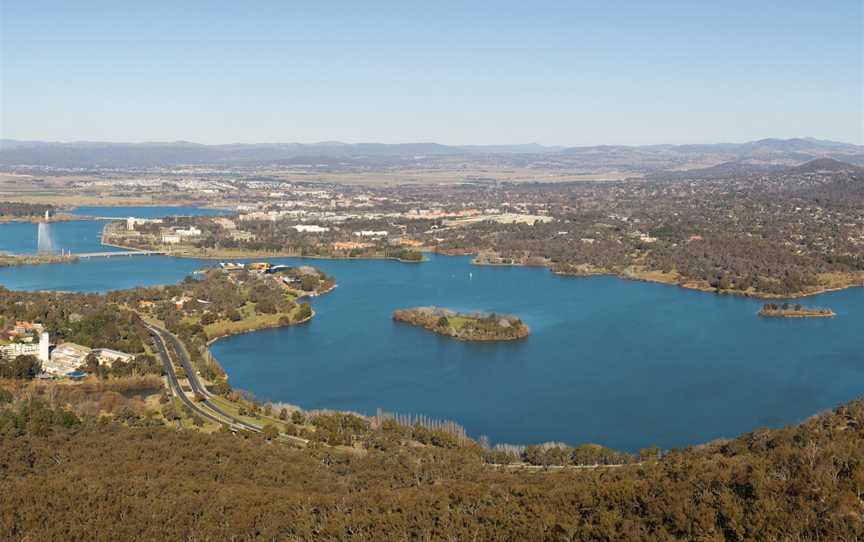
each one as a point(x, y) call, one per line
point(557, 73)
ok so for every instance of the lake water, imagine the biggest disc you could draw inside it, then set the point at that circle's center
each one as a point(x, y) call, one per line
point(625, 364)
point(75, 235)
point(81, 236)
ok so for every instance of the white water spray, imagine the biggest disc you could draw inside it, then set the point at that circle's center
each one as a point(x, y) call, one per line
point(44, 240)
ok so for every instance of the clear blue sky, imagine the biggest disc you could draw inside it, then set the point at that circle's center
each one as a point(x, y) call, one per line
point(567, 72)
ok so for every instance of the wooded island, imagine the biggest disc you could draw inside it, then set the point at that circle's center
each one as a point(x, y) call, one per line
point(465, 326)
point(788, 310)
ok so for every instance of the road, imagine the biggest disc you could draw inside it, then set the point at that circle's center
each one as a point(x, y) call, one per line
point(166, 343)
point(173, 382)
point(112, 254)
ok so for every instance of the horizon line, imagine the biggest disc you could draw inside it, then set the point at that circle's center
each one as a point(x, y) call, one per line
point(456, 145)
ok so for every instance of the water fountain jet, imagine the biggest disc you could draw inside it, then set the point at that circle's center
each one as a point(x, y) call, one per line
point(44, 239)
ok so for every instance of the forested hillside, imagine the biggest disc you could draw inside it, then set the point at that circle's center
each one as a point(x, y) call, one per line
point(64, 478)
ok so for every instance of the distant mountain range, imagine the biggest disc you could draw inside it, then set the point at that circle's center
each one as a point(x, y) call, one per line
point(752, 156)
point(96, 154)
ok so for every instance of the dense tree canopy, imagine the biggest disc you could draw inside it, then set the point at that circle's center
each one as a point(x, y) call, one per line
point(798, 483)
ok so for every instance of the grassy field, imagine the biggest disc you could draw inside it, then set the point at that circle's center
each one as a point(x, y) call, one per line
point(248, 323)
point(458, 322)
point(251, 321)
point(77, 200)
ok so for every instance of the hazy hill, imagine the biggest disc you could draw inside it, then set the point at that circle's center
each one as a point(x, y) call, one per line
point(645, 159)
point(824, 164)
point(722, 170)
point(91, 154)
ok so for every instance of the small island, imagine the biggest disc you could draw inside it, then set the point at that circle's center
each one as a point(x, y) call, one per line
point(788, 310)
point(464, 326)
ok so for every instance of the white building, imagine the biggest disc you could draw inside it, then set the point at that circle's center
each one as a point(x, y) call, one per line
point(107, 356)
point(66, 358)
point(310, 228)
point(44, 347)
point(191, 232)
point(370, 233)
point(40, 350)
point(131, 222)
point(63, 359)
point(13, 350)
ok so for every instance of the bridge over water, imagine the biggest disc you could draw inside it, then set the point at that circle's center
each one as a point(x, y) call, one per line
point(120, 253)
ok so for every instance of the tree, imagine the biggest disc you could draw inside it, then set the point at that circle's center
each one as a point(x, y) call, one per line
point(308, 283)
point(234, 315)
point(91, 364)
point(220, 387)
point(266, 306)
point(297, 418)
point(23, 367)
point(647, 454)
point(270, 431)
point(304, 311)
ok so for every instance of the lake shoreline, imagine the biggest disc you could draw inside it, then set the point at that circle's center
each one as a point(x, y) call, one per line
point(251, 254)
point(705, 288)
point(276, 325)
point(464, 327)
point(659, 277)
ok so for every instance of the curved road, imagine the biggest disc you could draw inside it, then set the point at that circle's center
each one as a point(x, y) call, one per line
point(173, 383)
point(167, 342)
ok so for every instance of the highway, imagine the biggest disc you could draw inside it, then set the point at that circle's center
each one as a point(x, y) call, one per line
point(172, 378)
point(166, 343)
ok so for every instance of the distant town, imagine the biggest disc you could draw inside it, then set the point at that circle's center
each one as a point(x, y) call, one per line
point(778, 231)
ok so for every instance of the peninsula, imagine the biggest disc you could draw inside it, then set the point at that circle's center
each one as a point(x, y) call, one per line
point(465, 327)
point(787, 310)
point(9, 260)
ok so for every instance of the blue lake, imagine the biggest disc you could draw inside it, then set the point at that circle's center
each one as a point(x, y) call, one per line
point(84, 235)
point(625, 364)
point(74, 235)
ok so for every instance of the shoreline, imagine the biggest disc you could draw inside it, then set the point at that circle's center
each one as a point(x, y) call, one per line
point(415, 319)
point(573, 274)
point(262, 255)
point(693, 286)
point(59, 217)
point(17, 260)
point(262, 328)
point(795, 315)
point(802, 312)
point(708, 289)
point(277, 325)
point(212, 341)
